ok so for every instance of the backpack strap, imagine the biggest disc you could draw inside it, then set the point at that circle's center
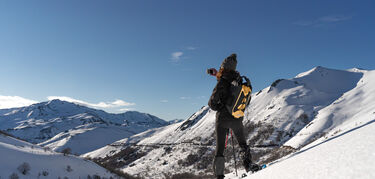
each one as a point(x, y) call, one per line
point(247, 82)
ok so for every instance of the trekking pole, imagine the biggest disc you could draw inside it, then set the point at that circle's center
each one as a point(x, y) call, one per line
point(234, 153)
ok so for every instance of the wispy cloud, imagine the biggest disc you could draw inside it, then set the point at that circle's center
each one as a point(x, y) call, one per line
point(14, 101)
point(164, 101)
point(176, 56)
point(17, 101)
point(119, 102)
point(185, 98)
point(126, 109)
point(330, 19)
point(322, 21)
point(191, 48)
point(114, 104)
point(179, 55)
point(201, 97)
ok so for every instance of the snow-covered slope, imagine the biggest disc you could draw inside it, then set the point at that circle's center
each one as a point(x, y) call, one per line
point(179, 133)
point(290, 104)
point(352, 108)
point(346, 155)
point(341, 139)
point(59, 124)
point(43, 163)
point(291, 112)
point(154, 146)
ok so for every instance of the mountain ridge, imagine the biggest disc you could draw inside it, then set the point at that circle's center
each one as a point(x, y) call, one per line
point(55, 123)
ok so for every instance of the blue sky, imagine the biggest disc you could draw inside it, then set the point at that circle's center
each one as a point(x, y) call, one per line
point(151, 56)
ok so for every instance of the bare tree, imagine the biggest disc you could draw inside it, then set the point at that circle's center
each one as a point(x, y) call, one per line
point(67, 151)
point(45, 173)
point(14, 176)
point(24, 168)
point(69, 168)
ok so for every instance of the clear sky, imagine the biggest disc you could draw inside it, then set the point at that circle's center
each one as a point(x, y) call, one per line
point(151, 56)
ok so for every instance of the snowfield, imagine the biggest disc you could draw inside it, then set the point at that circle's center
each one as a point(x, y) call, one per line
point(346, 146)
point(351, 109)
point(348, 155)
point(14, 152)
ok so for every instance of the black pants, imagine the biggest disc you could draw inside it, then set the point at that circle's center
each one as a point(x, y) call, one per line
point(221, 129)
point(223, 123)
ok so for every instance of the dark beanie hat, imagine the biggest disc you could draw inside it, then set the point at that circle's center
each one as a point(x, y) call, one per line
point(230, 62)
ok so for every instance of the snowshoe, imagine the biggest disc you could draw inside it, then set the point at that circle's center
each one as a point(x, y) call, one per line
point(220, 177)
point(254, 167)
point(250, 166)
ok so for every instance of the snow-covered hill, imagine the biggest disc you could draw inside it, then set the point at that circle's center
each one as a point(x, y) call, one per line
point(178, 133)
point(281, 119)
point(59, 124)
point(349, 154)
point(158, 151)
point(42, 163)
point(353, 108)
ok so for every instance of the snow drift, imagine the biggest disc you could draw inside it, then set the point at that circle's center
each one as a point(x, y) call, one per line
point(42, 163)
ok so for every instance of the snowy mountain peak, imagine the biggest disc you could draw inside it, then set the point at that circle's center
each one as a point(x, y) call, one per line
point(310, 71)
point(316, 71)
point(60, 124)
point(59, 103)
point(320, 71)
point(360, 70)
point(48, 108)
point(329, 80)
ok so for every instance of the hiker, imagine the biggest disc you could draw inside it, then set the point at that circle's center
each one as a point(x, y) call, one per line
point(225, 120)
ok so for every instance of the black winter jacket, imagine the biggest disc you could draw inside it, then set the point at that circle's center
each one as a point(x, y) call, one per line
point(221, 93)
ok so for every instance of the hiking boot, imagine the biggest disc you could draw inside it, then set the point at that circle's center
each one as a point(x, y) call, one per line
point(250, 166)
point(246, 157)
point(247, 163)
point(254, 167)
point(220, 177)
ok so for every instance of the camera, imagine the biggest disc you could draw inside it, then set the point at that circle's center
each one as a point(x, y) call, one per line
point(211, 71)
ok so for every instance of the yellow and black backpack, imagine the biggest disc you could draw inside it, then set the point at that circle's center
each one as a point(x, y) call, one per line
point(240, 91)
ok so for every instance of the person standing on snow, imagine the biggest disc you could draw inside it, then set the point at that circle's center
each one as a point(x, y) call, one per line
point(225, 120)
